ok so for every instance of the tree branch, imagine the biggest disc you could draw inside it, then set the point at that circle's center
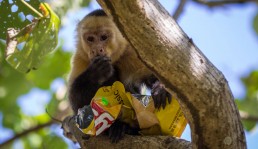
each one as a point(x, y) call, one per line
point(200, 88)
point(58, 116)
point(216, 3)
point(248, 117)
point(180, 9)
point(143, 142)
point(24, 133)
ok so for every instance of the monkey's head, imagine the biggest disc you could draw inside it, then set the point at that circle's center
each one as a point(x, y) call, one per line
point(99, 36)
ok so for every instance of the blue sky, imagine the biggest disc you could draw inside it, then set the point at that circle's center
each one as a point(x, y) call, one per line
point(224, 35)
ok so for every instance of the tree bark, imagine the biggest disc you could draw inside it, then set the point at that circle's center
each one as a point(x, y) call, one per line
point(72, 132)
point(200, 88)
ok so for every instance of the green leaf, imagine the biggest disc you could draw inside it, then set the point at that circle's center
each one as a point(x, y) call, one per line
point(2, 47)
point(52, 107)
point(255, 23)
point(12, 119)
point(84, 3)
point(31, 141)
point(14, 14)
point(12, 85)
point(251, 84)
point(249, 103)
point(249, 107)
point(43, 118)
point(249, 125)
point(55, 142)
point(41, 37)
point(55, 65)
point(35, 140)
point(64, 6)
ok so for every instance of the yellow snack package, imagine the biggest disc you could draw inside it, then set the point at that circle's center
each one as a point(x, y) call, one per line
point(171, 119)
point(112, 102)
point(103, 110)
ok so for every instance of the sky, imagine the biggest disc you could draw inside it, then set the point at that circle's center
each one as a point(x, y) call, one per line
point(225, 36)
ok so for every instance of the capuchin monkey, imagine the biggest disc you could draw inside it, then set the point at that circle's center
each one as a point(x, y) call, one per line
point(102, 57)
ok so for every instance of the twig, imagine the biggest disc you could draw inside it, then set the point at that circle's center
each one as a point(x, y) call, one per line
point(180, 9)
point(215, 3)
point(248, 117)
point(31, 8)
point(52, 117)
point(19, 135)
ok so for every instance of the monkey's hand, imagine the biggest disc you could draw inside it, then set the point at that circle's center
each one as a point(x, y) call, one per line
point(160, 95)
point(101, 69)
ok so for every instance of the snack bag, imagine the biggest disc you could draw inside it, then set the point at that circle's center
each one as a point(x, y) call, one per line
point(171, 120)
point(105, 106)
point(112, 102)
point(84, 120)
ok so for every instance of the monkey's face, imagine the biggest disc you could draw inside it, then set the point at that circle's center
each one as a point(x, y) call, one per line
point(97, 42)
point(100, 37)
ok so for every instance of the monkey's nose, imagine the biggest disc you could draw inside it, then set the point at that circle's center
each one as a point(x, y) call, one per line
point(101, 52)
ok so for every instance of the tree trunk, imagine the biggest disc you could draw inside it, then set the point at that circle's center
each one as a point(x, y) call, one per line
point(200, 88)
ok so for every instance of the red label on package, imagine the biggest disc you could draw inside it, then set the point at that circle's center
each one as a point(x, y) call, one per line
point(103, 119)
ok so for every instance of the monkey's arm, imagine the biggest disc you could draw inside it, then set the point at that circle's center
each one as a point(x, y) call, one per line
point(159, 94)
point(83, 88)
point(79, 65)
point(99, 73)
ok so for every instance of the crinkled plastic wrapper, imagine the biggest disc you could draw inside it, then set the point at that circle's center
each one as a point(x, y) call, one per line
point(112, 102)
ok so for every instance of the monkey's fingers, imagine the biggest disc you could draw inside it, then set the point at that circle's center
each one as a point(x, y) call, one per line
point(103, 60)
point(96, 59)
point(160, 97)
point(100, 59)
point(116, 131)
point(156, 100)
point(101, 67)
point(163, 99)
point(156, 94)
point(104, 67)
point(169, 97)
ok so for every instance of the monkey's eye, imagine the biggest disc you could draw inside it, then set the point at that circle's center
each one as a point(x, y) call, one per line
point(103, 37)
point(90, 39)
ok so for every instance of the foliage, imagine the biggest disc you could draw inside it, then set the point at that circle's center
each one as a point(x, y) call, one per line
point(43, 31)
point(15, 84)
point(61, 7)
point(15, 14)
point(249, 103)
point(28, 45)
point(255, 24)
point(53, 141)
